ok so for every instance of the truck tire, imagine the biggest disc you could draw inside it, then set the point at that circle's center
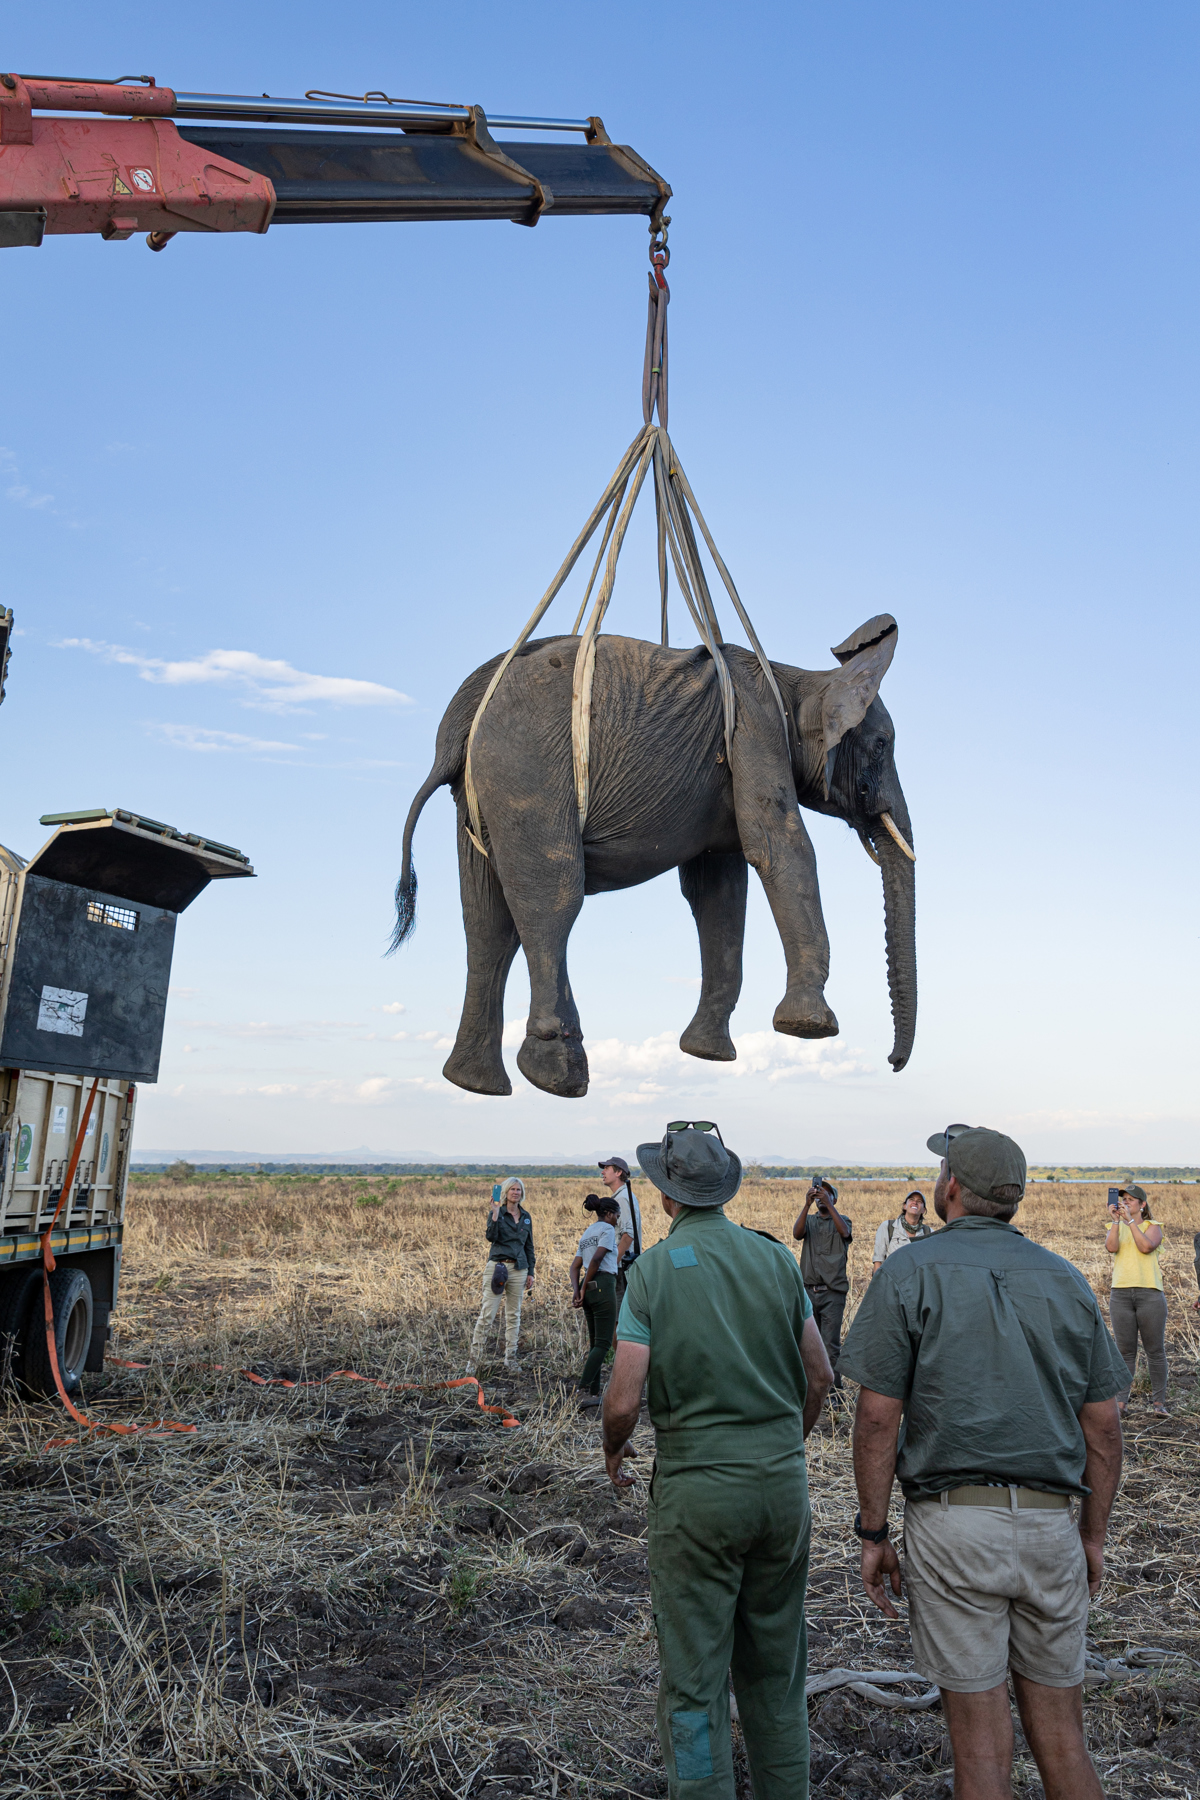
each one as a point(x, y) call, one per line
point(17, 1293)
point(71, 1294)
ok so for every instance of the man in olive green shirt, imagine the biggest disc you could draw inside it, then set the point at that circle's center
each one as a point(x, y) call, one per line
point(988, 1383)
point(717, 1320)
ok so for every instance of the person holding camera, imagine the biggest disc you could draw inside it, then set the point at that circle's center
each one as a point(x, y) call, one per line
point(1137, 1305)
point(906, 1228)
point(614, 1173)
point(509, 1231)
point(827, 1236)
point(594, 1288)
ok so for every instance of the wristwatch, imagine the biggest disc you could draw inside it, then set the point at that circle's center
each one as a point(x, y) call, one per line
point(870, 1537)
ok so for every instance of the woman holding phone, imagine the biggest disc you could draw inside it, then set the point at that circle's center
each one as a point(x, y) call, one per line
point(1137, 1305)
point(508, 1272)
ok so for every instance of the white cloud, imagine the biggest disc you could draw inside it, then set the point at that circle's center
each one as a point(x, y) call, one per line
point(19, 493)
point(645, 1072)
point(294, 1030)
point(200, 737)
point(268, 683)
point(394, 1006)
point(371, 1090)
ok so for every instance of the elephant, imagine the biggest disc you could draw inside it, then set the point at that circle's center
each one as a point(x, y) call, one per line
point(663, 794)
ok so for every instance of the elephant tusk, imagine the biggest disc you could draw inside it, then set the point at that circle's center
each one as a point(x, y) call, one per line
point(865, 841)
point(889, 825)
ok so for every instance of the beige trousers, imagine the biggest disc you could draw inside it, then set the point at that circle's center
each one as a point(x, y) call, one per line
point(510, 1300)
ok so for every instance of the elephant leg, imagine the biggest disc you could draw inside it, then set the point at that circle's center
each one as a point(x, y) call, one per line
point(476, 1062)
point(780, 849)
point(545, 906)
point(714, 886)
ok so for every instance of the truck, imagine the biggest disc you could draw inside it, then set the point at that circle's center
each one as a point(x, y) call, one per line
point(87, 934)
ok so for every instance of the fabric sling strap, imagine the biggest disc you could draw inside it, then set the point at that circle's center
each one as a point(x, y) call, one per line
point(677, 515)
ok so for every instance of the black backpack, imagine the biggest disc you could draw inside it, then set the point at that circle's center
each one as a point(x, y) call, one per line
point(635, 1250)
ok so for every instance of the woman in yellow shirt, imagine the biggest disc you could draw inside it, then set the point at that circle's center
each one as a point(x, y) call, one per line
point(1137, 1306)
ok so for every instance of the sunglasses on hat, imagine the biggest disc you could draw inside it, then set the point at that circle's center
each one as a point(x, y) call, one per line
point(950, 1133)
point(695, 1125)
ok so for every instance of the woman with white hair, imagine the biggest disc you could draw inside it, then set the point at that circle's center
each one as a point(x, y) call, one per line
point(510, 1233)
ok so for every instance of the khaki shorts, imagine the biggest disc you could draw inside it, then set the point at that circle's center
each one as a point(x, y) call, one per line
point(990, 1590)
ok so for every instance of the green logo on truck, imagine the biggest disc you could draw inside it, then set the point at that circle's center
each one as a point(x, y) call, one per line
point(24, 1146)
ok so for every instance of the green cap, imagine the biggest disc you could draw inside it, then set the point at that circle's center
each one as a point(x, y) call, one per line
point(980, 1159)
point(1134, 1192)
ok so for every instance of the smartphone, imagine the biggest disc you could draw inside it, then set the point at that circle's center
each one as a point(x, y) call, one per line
point(1114, 1198)
point(496, 1193)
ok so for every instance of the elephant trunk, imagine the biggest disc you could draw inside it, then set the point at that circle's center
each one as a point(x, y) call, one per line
point(900, 922)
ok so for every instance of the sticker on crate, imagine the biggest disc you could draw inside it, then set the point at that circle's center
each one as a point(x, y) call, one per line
point(63, 1010)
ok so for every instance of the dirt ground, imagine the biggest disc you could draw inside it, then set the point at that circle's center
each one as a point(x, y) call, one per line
point(340, 1589)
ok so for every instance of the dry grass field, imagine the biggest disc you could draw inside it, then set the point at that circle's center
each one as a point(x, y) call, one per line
point(347, 1590)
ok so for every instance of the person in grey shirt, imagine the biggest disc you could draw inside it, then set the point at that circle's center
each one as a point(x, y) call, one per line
point(826, 1236)
point(988, 1385)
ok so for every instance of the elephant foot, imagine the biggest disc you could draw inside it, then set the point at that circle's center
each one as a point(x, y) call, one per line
point(708, 1039)
point(557, 1065)
point(805, 1015)
point(470, 1066)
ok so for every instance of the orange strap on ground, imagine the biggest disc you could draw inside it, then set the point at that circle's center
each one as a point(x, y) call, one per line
point(506, 1418)
point(156, 1425)
point(48, 1307)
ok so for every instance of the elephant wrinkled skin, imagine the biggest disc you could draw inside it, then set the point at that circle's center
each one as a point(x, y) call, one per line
point(663, 795)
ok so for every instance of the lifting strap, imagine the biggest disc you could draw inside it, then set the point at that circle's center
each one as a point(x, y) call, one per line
point(677, 514)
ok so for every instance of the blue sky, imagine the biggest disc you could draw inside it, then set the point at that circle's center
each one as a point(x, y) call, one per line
point(933, 352)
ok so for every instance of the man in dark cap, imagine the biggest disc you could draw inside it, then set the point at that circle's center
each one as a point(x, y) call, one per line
point(716, 1317)
point(994, 1355)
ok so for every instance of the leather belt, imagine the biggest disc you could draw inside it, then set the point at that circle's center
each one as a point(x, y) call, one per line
point(1031, 1498)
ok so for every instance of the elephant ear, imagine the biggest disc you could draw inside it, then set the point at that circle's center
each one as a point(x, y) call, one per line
point(838, 701)
point(875, 631)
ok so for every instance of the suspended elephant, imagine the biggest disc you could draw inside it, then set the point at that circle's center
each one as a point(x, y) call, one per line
point(664, 794)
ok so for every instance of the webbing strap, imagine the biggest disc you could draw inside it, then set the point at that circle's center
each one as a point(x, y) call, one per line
point(675, 509)
point(167, 1425)
point(506, 1418)
point(48, 1303)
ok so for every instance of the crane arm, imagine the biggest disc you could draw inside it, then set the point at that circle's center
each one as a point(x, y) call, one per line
point(143, 171)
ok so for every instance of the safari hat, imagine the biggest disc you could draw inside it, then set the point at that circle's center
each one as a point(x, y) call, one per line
point(980, 1159)
point(693, 1167)
point(1134, 1192)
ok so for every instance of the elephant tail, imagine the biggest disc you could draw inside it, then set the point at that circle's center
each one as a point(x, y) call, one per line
point(406, 887)
point(448, 764)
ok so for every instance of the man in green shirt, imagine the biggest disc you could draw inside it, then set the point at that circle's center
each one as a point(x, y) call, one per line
point(988, 1383)
point(717, 1321)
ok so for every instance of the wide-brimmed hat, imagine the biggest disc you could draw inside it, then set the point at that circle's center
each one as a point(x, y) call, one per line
point(693, 1167)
